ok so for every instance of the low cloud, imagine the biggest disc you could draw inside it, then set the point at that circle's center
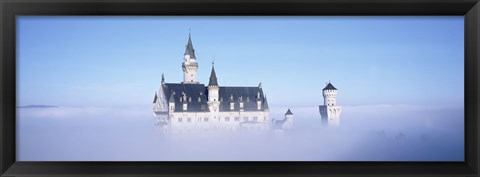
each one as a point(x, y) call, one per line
point(366, 133)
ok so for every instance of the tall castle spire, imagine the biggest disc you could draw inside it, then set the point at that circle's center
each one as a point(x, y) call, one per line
point(189, 65)
point(189, 47)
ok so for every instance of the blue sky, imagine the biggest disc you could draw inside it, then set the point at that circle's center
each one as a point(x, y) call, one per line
point(118, 61)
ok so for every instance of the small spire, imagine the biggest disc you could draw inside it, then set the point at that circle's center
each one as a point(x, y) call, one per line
point(260, 85)
point(213, 77)
point(163, 79)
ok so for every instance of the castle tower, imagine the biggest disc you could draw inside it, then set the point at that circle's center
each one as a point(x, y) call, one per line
point(213, 97)
point(330, 111)
point(288, 121)
point(189, 65)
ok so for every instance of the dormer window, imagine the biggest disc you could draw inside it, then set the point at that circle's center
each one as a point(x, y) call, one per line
point(199, 99)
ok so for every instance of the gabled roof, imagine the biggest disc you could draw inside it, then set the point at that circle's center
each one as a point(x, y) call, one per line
point(189, 48)
point(289, 112)
point(329, 87)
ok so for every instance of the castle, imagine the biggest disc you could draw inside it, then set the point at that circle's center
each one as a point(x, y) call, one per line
point(191, 105)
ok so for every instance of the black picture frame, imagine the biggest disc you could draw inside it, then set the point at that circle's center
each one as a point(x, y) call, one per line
point(470, 9)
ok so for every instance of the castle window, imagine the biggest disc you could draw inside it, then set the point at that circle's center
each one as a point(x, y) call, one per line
point(264, 118)
point(199, 119)
point(205, 119)
point(245, 118)
point(190, 99)
point(227, 119)
point(180, 99)
point(199, 99)
point(248, 99)
point(180, 119)
point(255, 118)
point(203, 107)
point(236, 119)
point(189, 119)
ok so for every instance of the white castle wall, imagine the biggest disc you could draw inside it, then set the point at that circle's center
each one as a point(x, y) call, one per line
point(211, 121)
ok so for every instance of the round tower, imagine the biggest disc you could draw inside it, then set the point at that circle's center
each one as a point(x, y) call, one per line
point(329, 95)
point(189, 65)
point(330, 111)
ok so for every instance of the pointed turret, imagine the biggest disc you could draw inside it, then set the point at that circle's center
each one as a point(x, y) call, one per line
point(289, 112)
point(189, 48)
point(213, 77)
point(213, 90)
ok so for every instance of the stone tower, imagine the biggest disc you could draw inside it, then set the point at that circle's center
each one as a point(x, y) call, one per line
point(330, 111)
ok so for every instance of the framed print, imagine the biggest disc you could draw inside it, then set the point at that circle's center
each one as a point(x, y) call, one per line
point(372, 88)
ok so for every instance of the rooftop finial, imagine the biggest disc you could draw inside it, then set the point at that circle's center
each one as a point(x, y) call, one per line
point(188, 32)
point(163, 78)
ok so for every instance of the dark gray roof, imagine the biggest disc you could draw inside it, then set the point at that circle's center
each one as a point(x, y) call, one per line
point(213, 78)
point(192, 91)
point(248, 95)
point(189, 48)
point(195, 91)
point(289, 112)
point(155, 98)
point(265, 102)
point(329, 87)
